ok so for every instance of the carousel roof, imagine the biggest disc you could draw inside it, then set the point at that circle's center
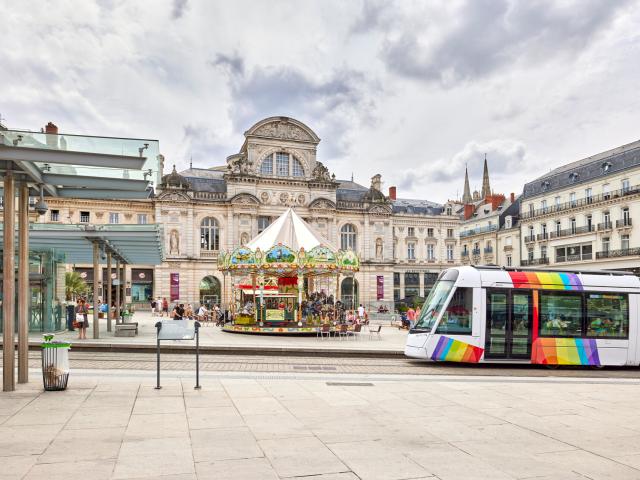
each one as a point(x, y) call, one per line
point(291, 230)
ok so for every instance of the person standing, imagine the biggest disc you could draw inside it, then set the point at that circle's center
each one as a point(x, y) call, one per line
point(361, 312)
point(411, 317)
point(82, 319)
point(165, 307)
point(152, 303)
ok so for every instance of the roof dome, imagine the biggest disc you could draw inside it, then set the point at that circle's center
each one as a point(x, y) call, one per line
point(175, 180)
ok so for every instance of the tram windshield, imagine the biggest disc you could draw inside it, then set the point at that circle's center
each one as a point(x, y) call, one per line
point(436, 300)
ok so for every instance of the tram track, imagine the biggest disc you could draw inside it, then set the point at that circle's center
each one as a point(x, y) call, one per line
point(324, 365)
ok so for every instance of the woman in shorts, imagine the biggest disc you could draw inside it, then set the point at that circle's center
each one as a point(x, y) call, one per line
point(82, 319)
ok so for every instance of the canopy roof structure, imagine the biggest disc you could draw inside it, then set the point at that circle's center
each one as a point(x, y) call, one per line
point(290, 230)
point(288, 247)
point(132, 244)
point(81, 166)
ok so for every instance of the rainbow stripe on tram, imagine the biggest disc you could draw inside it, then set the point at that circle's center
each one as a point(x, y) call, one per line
point(546, 280)
point(450, 350)
point(565, 351)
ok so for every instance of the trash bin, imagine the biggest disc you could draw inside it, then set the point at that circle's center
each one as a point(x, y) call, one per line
point(55, 363)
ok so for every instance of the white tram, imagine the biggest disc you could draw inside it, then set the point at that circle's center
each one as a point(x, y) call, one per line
point(493, 314)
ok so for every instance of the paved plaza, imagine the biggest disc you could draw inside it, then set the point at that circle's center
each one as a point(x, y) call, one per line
point(321, 426)
point(391, 340)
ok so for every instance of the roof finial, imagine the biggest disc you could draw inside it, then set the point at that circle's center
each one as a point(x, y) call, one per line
point(190, 162)
point(352, 176)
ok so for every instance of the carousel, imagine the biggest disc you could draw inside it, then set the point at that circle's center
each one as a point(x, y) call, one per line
point(286, 280)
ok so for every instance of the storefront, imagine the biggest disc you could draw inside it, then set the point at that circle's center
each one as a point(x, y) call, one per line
point(141, 285)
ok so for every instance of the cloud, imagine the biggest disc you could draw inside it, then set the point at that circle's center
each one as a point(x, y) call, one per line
point(476, 38)
point(504, 157)
point(179, 7)
point(333, 103)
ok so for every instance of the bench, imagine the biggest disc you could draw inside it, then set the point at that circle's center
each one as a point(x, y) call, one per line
point(126, 329)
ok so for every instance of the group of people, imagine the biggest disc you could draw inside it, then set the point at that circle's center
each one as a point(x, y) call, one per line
point(180, 311)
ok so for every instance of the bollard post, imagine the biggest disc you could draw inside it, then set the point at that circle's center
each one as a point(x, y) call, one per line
point(197, 327)
point(158, 327)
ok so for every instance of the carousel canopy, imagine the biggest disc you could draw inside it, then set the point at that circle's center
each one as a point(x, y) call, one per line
point(291, 230)
point(288, 247)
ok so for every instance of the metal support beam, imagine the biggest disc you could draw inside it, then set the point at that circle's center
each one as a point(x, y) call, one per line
point(69, 157)
point(96, 276)
point(23, 285)
point(8, 285)
point(118, 277)
point(109, 284)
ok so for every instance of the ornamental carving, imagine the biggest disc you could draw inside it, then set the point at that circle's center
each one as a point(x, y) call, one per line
point(301, 199)
point(284, 130)
point(264, 196)
point(320, 172)
point(322, 204)
point(244, 199)
point(239, 165)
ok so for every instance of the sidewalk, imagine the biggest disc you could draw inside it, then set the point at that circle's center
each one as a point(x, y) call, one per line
point(213, 339)
point(368, 428)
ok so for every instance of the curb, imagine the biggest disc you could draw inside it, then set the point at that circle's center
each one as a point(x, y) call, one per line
point(229, 350)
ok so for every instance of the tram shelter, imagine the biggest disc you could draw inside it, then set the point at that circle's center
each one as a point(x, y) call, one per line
point(280, 275)
point(51, 164)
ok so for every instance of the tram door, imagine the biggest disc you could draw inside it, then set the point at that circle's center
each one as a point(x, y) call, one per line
point(509, 322)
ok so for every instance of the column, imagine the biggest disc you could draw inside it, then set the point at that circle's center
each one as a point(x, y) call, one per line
point(300, 288)
point(109, 284)
point(8, 284)
point(23, 285)
point(96, 282)
point(421, 283)
point(402, 285)
point(118, 287)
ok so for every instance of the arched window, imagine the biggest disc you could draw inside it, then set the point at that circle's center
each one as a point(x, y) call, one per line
point(282, 164)
point(297, 169)
point(348, 237)
point(209, 234)
point(267, 165)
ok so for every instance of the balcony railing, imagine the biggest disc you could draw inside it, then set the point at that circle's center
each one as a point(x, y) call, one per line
point(543, 236)
point(603, 197)
point(475, 251)
point(567, 232)
point(625, 252)
point(605, 226)
point(488, 249)
point(476, 231)
point(535, 261)
point(623, 223)
point(574, 258)
point(530, 238)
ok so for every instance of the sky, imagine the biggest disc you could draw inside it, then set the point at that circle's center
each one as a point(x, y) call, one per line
point(412, 90)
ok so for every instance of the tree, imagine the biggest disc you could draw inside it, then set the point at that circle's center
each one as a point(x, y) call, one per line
point(74, 285)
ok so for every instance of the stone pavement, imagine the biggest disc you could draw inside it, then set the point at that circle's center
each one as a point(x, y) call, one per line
point(391, 340)
point(321, 427)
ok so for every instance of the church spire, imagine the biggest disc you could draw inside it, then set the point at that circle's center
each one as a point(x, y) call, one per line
point(486, 188)
point(466, 194)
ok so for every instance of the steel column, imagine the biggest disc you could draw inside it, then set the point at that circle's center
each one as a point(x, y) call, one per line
point(8, 284)
point(109, 283)
point(117, 311)
point(23, 285)
point(96, 276)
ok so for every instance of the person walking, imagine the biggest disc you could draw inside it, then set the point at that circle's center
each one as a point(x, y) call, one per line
point(361, 313)
point(82, 319)
point(152, 304)
point(165, 307)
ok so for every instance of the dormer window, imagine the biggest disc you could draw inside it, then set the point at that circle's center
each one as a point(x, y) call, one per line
point(545, 186)
point(606, 166)
point(574, 176)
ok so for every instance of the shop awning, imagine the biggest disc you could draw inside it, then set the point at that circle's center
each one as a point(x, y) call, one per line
point(132, 244)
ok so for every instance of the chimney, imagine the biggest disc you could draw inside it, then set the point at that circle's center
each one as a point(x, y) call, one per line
point(392, 193)
point(512, 197)
point(51, 132)
point(468, 211)
point(496, 200)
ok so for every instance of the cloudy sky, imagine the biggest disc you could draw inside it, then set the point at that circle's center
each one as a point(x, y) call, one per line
point(412, 90)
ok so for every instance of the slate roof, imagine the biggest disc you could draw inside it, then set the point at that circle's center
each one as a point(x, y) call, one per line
point(349, 191)
point(586, 170)
point(205, 180)
point(425, 207)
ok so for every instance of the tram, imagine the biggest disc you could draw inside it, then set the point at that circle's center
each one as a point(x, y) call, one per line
point(550, 317)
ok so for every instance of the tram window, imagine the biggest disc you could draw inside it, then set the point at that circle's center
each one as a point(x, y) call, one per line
point(607, 315)
point(457, 317)
point(560, 314)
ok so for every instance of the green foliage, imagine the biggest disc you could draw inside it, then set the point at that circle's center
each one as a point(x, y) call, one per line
point(74, 285)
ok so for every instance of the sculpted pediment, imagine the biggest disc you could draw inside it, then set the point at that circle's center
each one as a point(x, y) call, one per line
point(170, 196)
point(245, 199)
point(322, 204)
point(380, 210)
point(283, 128)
